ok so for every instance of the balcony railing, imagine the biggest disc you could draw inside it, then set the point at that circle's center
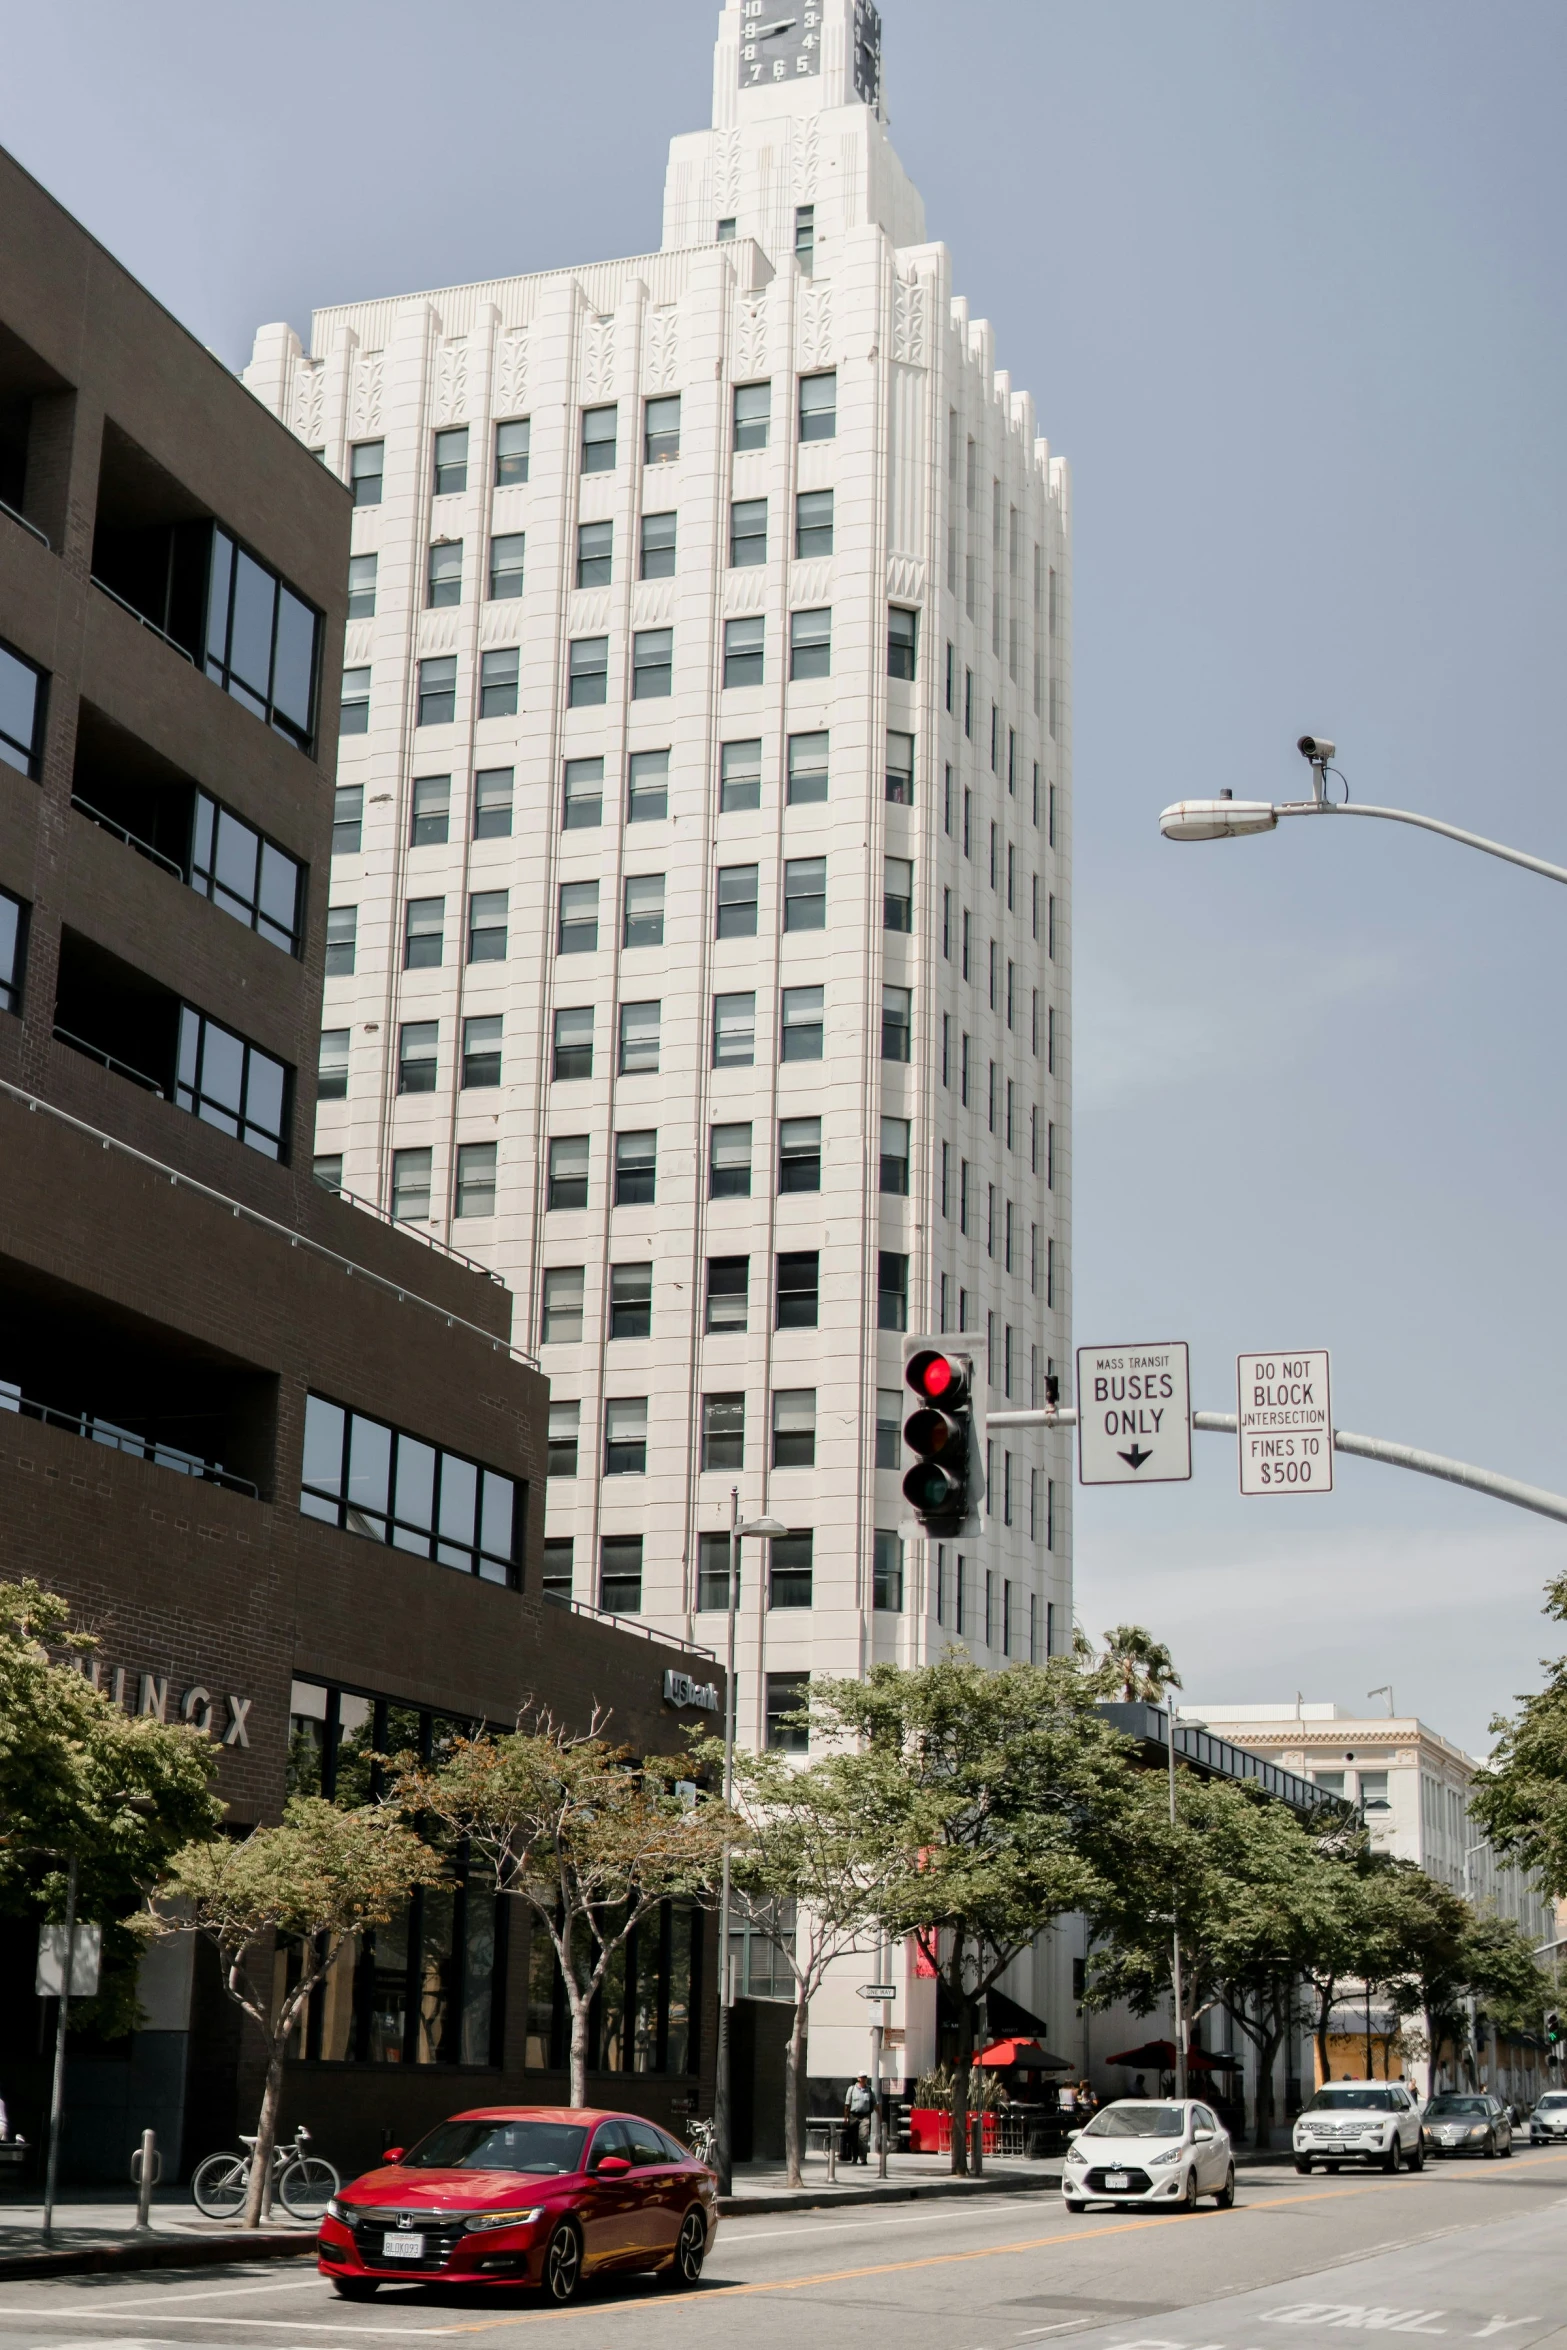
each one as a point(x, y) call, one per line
point(604, 1615)
point(79, 1044)
point(442, 1248)
point(26, 525)
point(118, 1438)
point(132, 840)
point(116, 598)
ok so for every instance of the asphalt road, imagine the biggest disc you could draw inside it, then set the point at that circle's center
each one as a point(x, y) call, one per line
point(1473, 2251)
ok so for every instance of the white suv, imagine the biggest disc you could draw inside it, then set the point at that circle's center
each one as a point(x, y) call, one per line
point(1360, 2121)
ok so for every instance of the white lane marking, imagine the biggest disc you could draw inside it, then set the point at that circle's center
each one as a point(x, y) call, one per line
point(845, 2227)
point(222, 2292)
point(1502, 2325)
point(283, 2324)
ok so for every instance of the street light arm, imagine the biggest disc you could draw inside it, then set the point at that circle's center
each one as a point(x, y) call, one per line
point(1469, 840)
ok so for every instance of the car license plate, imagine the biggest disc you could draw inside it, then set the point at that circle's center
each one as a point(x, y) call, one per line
point(1117, 2181)
point(402, 2247)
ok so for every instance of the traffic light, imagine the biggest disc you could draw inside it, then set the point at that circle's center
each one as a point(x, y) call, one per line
point(947, 1483)
point(1553, 2028)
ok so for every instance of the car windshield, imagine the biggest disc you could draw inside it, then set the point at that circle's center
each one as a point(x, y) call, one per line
point(1351, 2101)
point(1137, 2121)
point(1548, 2104)
point(1457, 2105)
point(521, 2146)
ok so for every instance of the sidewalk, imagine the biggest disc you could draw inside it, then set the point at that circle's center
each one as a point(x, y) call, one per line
point(910, 2178)
point(95, 2229)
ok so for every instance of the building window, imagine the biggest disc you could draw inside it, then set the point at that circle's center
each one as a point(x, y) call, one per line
point(887, 1574)
point(625, 1436)
point(598, 440)
point(895, 1157)
point(245, 874)
point(753, 411)
point(900, 769)
point(794, 1428)
point(661, 430)
point(652, 664)
point(506, 566)
point(799, 1154)
point(968, 693)
point(810, 644)
point(475, 1191)
point(805, 237)
point(573, 1044)
point(511, 452)
point(744, 642)
point(378, 1481)
point(636, 1168)
point(578, 930)
point(417, 1056)
point(747, 533)
point(366, 468)
point(737, 901)
point(353, 711)
point(802, 1026)
point(432, 796)
point(331, 1067)
point(565, 1430)
point(790, 1570)
point(568, 1171)
point(443, 581)
point(411, 1187)
point(231, 1084)
point(990, 1608)
point(902, 642)
point(631, 1301)
point(728, 1284)
point(896, 1023)
point(734, 1035)
point(805, 893)
point(729, 1162)
point(451, 461)
point(897, 900)
point(725, 234)
point(739, 777)
point(647, 787)
point(787, 1697)
point(797, 1289)
point(438, 691)
point(657, 560)
point(639, 1027)
point(813, 520)
point(562, 1317)
point(642, 921)
point(262, 640)
point(348, 811)
point(1006, 1607)
point(723, 1447)
point(342, 937)
point(819, 406)
point(588, 681)
point(712, 1581)
point(492, 792)
point(620, 1566)
point(361, 587)
point(807, 769)
point(583, 806)
point(424, 926)
point(595, 553)
point(556, 1577)
point(498, 683)
point(892, 1290)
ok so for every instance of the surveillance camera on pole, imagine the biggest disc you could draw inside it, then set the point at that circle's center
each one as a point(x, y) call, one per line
point(947, 1483)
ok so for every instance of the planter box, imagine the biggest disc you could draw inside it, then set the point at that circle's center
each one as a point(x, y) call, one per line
point(930, 2130)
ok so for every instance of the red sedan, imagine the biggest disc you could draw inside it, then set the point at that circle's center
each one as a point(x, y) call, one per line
point(524, 2195)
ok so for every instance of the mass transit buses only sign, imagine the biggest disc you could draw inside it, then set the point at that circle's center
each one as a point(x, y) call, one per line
point(1284, 1422)
point(1134, 1414)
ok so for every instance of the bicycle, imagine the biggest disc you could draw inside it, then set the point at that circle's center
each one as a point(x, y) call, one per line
point(700, 2136)
point(304, 2183)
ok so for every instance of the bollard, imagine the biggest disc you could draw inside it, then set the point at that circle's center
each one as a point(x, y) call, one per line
point(832, 2156)
point(977, 2164)
point(145, 2169)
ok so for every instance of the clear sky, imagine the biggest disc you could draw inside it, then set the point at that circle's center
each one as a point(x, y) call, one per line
point(1286, 280)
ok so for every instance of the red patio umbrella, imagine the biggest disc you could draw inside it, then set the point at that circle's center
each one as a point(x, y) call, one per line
point(1159, 2056)
point(1025, 2055)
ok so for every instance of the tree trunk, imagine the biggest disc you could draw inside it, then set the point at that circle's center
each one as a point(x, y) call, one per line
point(579, 2046)
point(960, 2079)
point(1324, 2011)
point(794, 2060)
point(258, 2195)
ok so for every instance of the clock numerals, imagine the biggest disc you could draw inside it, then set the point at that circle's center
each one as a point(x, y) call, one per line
point(779, 43)
point(867, 52)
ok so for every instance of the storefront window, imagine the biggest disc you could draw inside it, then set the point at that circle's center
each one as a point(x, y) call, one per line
point(640, 2020)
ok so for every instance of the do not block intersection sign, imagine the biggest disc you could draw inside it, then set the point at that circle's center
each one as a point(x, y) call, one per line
point(1134, 1415)
point(1285, 1422)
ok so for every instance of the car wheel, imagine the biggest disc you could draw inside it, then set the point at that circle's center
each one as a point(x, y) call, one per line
point(563, 2264)
point(1489, 2148)
point(1393, 2159)
point(1507, 2149)
point(1225, 2198)
point(1417, 2159)
point(355, 2288)
point(1074, 2203)
point(1189, 2191)
point(690, 2252)
point(1303, 2165)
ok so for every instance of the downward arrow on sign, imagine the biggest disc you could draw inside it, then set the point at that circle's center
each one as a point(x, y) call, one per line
point(1136, 1457)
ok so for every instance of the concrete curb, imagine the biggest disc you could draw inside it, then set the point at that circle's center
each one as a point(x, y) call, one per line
point(156, 2251)
point(921, 2191)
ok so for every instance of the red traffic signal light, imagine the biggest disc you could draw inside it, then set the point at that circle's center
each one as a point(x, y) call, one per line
point(940, 1433)
point(938, 1378)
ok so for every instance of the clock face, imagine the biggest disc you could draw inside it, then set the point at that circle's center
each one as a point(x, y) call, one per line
point(780, 41)
point(866, 36)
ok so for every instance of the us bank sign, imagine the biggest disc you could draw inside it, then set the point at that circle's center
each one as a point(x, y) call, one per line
point(681, 1690)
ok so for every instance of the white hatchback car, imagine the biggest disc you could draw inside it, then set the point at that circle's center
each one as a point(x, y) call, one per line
point(1371, 2122)
point(1150, 2150)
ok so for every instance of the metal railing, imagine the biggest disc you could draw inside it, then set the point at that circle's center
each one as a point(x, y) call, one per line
point(442, 1248)
point(31, 527)
point(132, 840)
point(604, 1615)
point(93, 1052)
point(117, 1438)
point(115, 597)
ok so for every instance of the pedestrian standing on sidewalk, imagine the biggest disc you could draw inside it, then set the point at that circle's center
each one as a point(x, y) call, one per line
point(858, 2106)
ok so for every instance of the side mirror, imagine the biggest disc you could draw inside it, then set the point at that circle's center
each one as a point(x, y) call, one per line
point(1200, 2135)
point(392, 2154)
point(1072, 2137)
point(611, 2166)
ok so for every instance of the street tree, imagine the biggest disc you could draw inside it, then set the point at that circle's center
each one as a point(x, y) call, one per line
point(1520, 1798)
point(1137, 1667)
point(317, 1879)
point(590, 1837)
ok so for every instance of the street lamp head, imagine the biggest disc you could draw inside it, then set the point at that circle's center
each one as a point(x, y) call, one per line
point(1221, 819)
point(761, 1526)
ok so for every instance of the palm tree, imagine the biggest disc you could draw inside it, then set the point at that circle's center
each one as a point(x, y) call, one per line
point(1138, 1666)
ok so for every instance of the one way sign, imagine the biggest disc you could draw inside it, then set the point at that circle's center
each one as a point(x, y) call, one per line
point(1134, 1414)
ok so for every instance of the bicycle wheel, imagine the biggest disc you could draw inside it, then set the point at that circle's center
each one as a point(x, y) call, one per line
point(307, 2186)
point(218, 2185)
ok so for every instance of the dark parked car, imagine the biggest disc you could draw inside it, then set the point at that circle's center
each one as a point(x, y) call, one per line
point(1460, 2122)
point(524, 2195)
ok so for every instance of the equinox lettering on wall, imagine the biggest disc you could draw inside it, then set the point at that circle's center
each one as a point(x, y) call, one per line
point(154, 1694)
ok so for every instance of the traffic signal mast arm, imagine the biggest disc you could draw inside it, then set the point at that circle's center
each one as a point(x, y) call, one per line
point(1369, 1448)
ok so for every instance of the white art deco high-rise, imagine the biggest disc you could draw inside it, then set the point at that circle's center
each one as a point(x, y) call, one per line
point(699, 914)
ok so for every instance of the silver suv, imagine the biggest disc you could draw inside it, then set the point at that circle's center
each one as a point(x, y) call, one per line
point(1360, 2121)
